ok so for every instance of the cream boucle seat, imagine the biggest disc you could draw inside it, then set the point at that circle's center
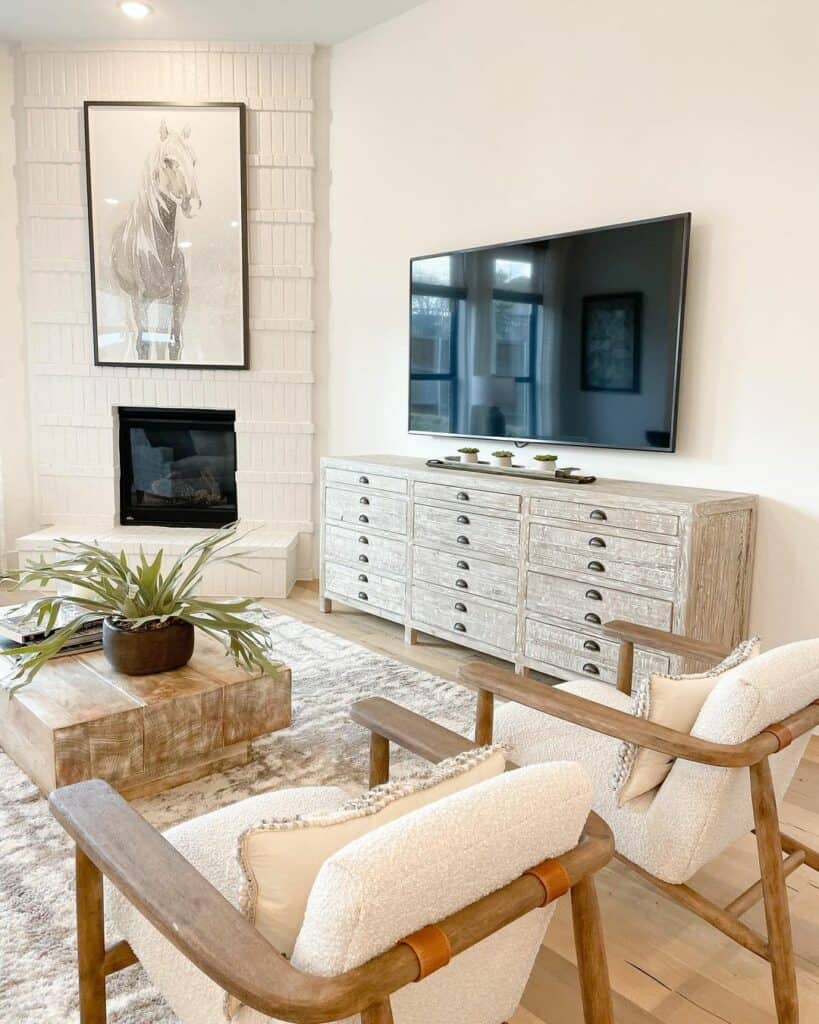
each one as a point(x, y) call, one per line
point(422, 878)
point(699, 810)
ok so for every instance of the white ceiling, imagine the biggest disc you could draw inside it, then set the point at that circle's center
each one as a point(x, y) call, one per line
point(280, 21)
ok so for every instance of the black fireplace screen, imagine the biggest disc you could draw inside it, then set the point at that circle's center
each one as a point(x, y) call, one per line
point(177, 467)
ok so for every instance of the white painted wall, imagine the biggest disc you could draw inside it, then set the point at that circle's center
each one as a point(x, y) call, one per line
point(72, 401)
point(15, 454)
point(466, 122)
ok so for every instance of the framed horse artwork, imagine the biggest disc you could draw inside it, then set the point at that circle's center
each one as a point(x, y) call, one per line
point(167, 213)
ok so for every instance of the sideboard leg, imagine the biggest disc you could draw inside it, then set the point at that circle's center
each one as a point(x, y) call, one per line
point(325, 605)
point(410, 635)
point(523, 670)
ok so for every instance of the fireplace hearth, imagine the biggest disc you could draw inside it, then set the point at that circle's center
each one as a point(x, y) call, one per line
point(177, 467)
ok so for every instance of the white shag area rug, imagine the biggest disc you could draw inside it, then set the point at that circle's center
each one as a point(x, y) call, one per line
point(37, 934)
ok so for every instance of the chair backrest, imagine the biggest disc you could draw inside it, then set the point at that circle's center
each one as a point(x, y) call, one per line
point(703, 809)
point(434, 861)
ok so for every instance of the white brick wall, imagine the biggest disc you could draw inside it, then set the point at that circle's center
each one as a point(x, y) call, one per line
point(72, 401)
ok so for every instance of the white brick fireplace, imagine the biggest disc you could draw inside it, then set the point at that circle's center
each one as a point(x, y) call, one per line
point(73, 403)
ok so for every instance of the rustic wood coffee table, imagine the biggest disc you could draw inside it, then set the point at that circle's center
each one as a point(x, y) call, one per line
point(80, 719)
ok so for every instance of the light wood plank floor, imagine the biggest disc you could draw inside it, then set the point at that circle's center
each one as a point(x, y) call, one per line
point(665, 964)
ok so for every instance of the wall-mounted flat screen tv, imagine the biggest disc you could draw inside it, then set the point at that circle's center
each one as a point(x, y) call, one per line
point(571, 339)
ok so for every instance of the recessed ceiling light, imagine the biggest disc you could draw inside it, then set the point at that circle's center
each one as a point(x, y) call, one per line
point(135, 9)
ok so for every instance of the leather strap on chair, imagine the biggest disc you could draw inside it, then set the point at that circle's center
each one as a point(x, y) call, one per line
point(784, 737)
point(432, 948)
point(552, 876)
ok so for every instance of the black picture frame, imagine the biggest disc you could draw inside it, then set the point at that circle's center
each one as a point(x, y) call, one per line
point(611, 329)
point(241, 113)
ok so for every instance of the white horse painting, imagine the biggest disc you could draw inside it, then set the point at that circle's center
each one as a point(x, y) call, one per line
point(146, 260)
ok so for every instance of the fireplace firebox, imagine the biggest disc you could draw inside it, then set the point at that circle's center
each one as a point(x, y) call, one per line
point(177, 467)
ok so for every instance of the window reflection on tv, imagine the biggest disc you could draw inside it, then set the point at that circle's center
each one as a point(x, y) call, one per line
point(573, 339)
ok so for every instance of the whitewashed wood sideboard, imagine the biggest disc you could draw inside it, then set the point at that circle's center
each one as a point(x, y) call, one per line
point(529, 570)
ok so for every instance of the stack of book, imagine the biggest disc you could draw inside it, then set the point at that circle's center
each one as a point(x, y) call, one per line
point(19, 628)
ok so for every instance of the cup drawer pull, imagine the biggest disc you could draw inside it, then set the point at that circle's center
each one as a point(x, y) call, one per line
point(462, 496)
point(590, 669)
point(597, 542)
point(363, 540)
point(363, 501)
point(594, 595)
point(598, 514)
point(596, 566)
point(362, 578)
point(363, 519)
point(461, 564)
point(363, 479)
point(362, 596)
point(591, 645)
point(463, 520)
point(363, 558)
point(462, 584)
point(460, 627)
point(463, 540)
point(460, 606)
point(592, 617)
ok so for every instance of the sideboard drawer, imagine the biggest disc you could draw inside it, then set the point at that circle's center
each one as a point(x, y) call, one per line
point(594, 604)
point(360, 547)
point(464, 573)
point(368, 481)
point(467, 531)
point(362, 585)
point(612, 558)
point(600, 515)
point(584, 654)
point(467, 496)
point(464, 616)
point(360, 509)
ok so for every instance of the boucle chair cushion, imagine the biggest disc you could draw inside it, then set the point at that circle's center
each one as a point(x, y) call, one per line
point(673, 701)
point(699, 810)
point(426, 865)
point(209, 843)
point(281, 856)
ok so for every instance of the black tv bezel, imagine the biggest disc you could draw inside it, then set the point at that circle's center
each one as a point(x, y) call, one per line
point(672, 446)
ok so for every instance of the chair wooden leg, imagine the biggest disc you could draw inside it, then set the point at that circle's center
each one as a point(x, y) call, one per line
point(591, 954)
point(484, 717)
point(90, 941)
point(625, 666)
point(378, 1013)
point(777, 914)
point(379, 760)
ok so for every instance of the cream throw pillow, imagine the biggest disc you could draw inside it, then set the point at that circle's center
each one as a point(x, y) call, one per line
point(673, 701)
point(281, 858)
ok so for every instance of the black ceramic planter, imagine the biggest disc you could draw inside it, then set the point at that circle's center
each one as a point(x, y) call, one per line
point(142, 652)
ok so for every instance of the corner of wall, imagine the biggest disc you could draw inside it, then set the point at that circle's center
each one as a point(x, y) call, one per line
point(16, 504)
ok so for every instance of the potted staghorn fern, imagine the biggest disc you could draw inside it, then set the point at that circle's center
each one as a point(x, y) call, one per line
point(149, 617)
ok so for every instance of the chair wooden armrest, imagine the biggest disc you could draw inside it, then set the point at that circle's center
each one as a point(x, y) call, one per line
point(113, 840)
point(600, 718)
point(670, 643)
point(388, 723)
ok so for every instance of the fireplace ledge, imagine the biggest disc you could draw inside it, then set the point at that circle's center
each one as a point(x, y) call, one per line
point(273, 554)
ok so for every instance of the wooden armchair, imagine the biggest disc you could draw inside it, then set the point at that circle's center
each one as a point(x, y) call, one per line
point(698, 811)
point(112, 840)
